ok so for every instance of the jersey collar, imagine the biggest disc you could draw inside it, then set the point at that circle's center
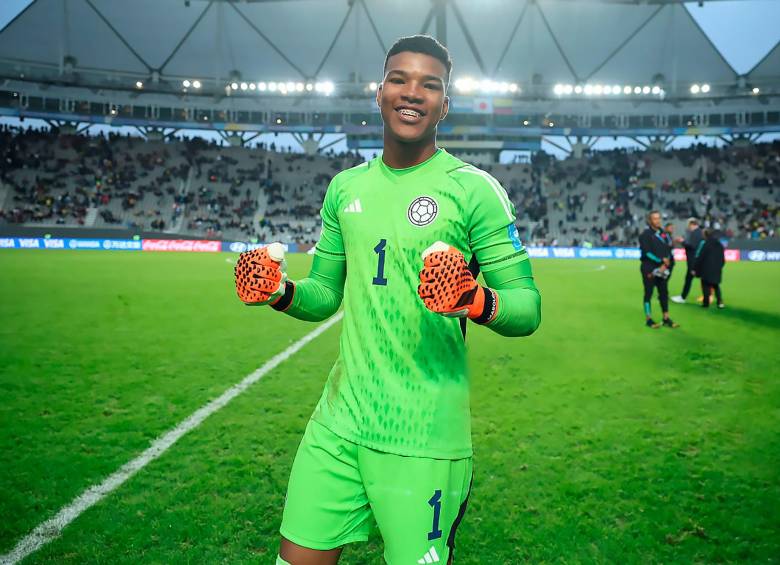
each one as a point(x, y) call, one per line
point(400, 175)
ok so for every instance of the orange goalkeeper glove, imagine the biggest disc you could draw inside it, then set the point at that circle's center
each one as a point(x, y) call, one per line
point(448, 288)
point(260, 275)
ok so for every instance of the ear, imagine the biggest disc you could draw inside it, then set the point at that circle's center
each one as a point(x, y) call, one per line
point(379, 95)
point(445, 108)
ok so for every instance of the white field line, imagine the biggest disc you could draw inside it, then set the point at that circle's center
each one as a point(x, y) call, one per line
point(52, 528)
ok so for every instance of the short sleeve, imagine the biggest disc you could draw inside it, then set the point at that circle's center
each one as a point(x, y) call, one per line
point(493, 237)
point(330, 245)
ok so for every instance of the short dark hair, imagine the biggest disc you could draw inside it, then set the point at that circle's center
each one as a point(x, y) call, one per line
point(424, 44)
point(651, 212)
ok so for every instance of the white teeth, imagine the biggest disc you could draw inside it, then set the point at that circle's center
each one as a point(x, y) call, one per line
point(407, 112)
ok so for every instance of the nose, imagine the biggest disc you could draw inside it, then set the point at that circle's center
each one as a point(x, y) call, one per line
point(412, 93)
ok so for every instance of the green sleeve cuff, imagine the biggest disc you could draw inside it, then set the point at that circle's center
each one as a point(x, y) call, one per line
point(519, 310)
point(318, 296)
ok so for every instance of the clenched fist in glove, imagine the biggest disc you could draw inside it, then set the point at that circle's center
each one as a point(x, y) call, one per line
point(448, 288)
point(260, 275)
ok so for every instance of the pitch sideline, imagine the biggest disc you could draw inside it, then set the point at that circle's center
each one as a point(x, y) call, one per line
point(52, 528)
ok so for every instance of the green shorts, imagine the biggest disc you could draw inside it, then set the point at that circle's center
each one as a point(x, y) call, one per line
point(336, 486)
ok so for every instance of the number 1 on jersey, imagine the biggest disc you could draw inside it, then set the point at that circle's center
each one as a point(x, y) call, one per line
point(435, 503)
point(380, 279)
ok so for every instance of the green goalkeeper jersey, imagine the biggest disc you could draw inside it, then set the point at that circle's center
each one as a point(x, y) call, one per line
point(400, 383)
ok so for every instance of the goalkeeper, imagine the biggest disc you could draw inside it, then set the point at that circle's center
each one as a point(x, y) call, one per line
point(403, 238)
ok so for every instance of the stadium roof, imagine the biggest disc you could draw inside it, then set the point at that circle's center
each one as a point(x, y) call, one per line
point(767, 68)
point(524, 41)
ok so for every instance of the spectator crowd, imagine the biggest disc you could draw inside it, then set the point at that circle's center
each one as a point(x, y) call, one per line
point(200, 188)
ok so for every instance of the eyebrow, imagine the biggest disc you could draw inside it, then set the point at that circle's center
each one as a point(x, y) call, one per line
point(425, 77)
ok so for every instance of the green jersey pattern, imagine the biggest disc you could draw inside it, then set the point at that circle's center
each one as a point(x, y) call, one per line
point(400, 384)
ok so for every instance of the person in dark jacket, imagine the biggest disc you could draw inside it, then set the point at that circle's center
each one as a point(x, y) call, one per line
point(690, 244)
point(710, 259)
point(668, 235)
point(655, 260)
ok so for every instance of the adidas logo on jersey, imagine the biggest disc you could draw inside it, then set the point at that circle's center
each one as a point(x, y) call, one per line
point(354, 207)
point(430, 556)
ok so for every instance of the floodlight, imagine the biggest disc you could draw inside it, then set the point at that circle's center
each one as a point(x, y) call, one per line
point(695, 89)
point(558, 89)
point(139, 84)
point(637, 90)
point(645, 90)
point(195, 84)
point(705, 88)
point(185, 83)
point(513, 87)
point(656, 90)
point(588, 90)
point(578, 89)
point(244, 86)
point(756, 90)
point(466, 84)
point(372, 86)
point(626, 90)
point(262, 87)
point(234, 85)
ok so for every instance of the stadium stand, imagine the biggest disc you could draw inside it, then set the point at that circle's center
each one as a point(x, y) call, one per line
point(602, 198)
point(196, 188)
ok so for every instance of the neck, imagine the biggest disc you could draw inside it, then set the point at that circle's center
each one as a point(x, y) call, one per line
point(398, 155)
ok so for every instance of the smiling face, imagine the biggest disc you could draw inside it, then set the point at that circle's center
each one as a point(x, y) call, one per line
point(412, 96)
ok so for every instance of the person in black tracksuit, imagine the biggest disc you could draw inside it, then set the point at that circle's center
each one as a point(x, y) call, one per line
point(655, 260)
point(710, 259)
point(691, 244)
point(668, 235)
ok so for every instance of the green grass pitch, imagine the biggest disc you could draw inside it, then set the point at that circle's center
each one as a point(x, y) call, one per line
point(597, 440)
